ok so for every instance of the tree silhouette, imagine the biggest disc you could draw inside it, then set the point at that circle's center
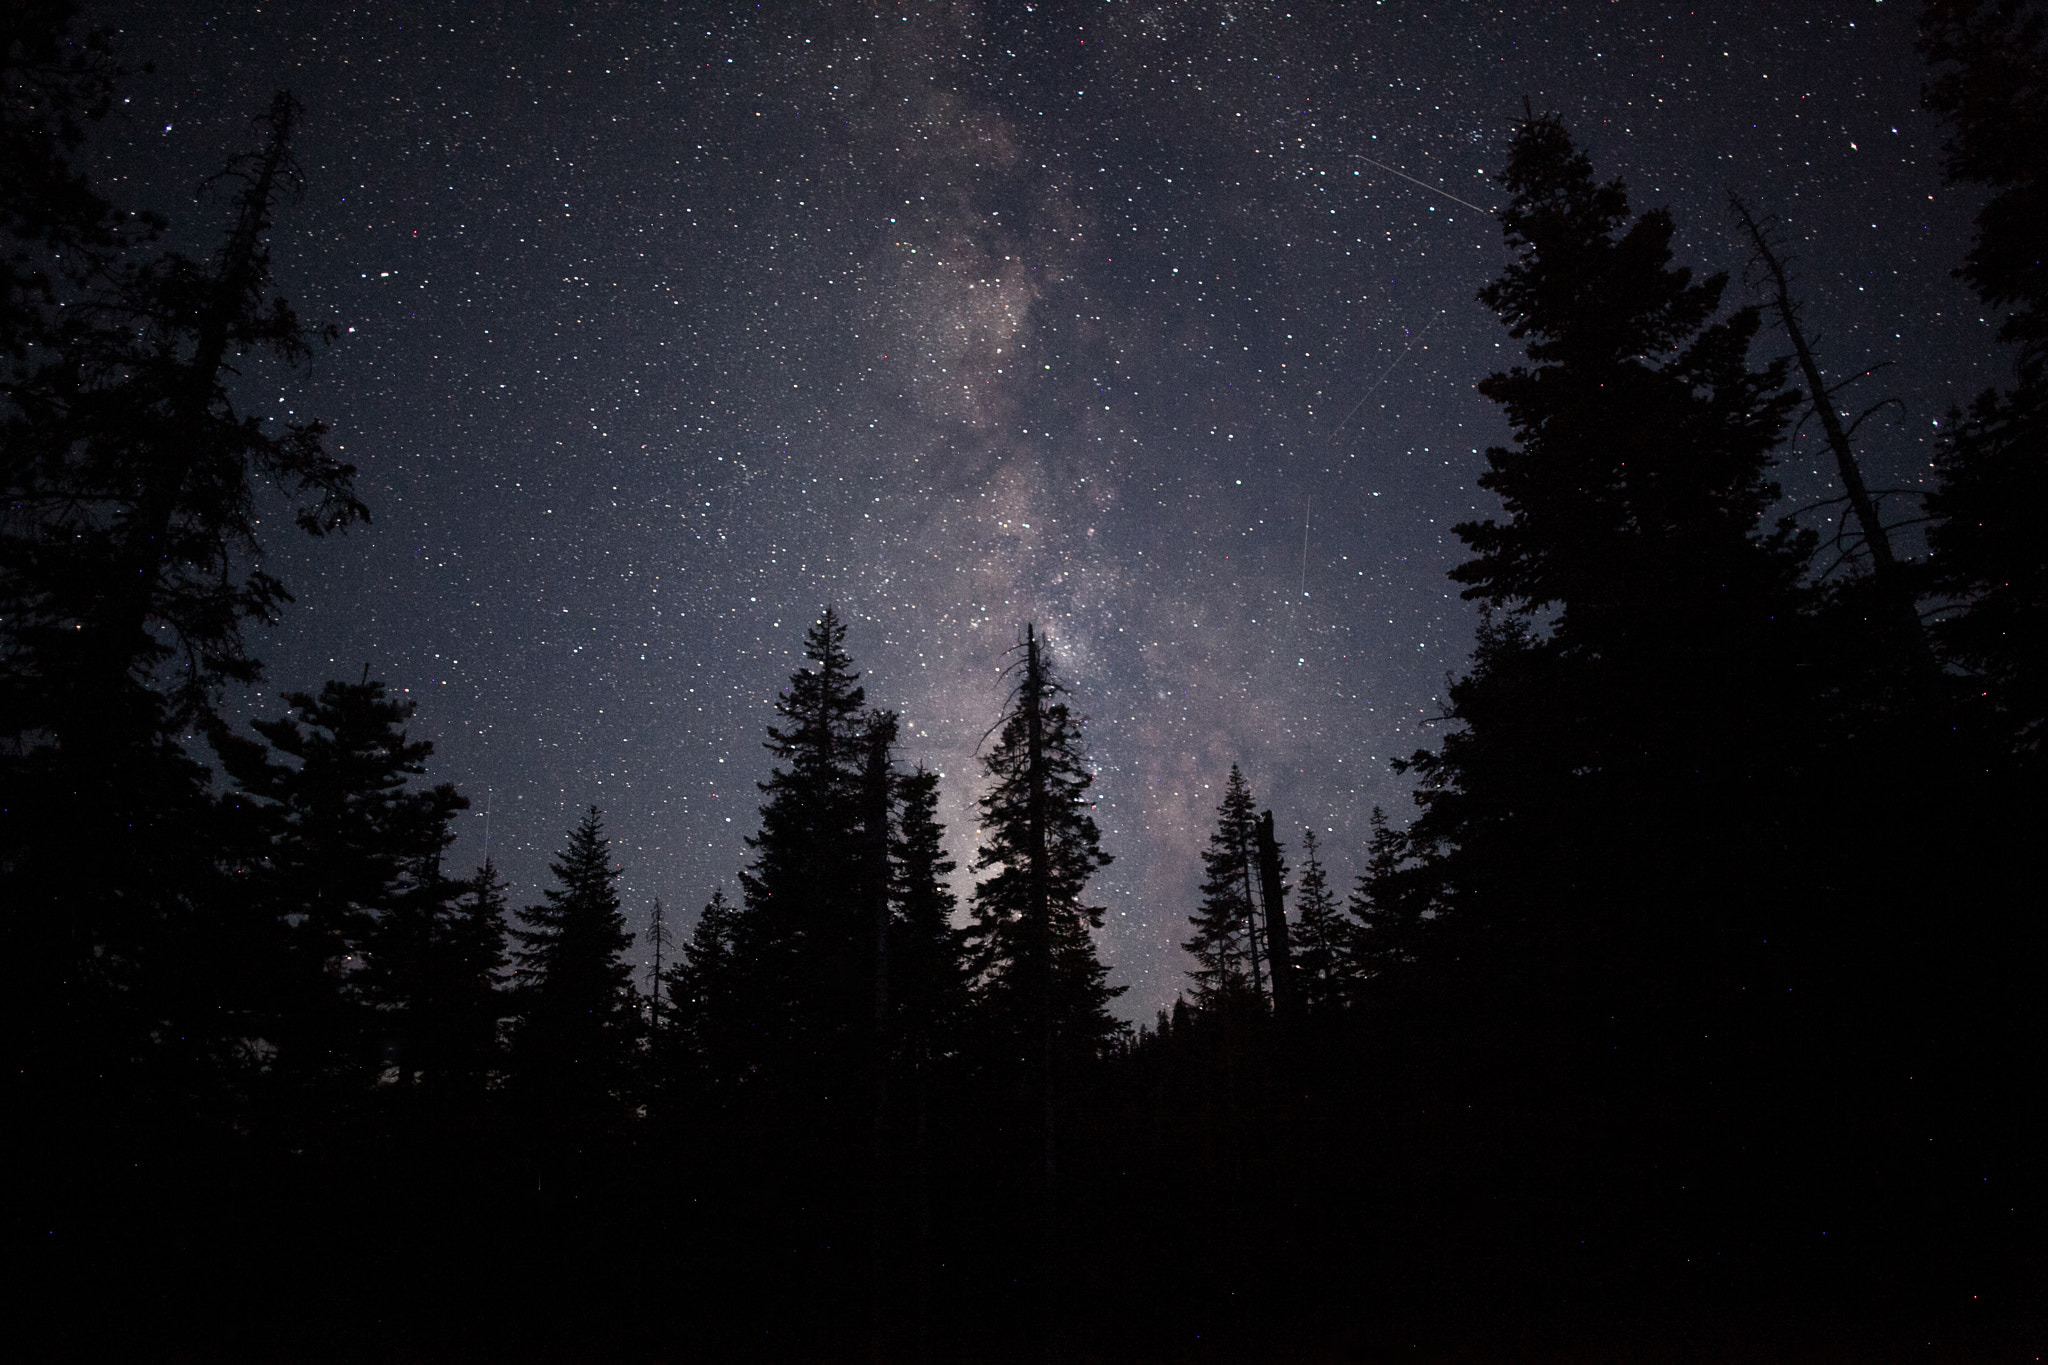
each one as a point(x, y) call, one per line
point(578, 1015)
point(928, 963)
point(704, 1034)
point(130, 560)
point(1321, 934)
point(347, 866)
point(1043, 991)
point(1634, 702)
point(1225, 945)
point(1988, 553)
point(805, 942)
point(1030, 935)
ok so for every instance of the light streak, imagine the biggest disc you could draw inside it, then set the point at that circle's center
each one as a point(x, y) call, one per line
point(1433, 189)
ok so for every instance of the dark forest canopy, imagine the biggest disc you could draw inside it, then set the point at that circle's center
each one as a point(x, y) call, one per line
point(1702, 942)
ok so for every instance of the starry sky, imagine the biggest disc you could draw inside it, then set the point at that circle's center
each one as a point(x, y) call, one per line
point(661, 327)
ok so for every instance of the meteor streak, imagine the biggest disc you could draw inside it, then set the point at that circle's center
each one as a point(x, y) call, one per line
point(1433, 189)
point(1412, 343)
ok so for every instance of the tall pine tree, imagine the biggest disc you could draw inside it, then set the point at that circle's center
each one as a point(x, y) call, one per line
point(344, 860)
point(579, 1018)
point(928, 964)
point(1626, 729)
point(130, 562)
point(1043, 990)
point(804, 943)
point(1226, 941)
point(1989, 553)
point(1321, 935)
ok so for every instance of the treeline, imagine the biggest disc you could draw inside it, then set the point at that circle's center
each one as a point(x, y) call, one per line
point(1702, 979)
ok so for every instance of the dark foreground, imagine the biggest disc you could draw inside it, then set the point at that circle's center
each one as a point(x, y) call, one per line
point(1372, 1218)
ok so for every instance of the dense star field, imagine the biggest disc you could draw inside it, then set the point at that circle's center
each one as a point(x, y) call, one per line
point(663, 328)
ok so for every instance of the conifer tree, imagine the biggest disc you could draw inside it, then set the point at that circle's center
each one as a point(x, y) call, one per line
point(469, 1002)
point(1043, 989)
point(129, 563)
point(929, 967)
point(1386, 918)
point(1988, 551)
point(1225, 944)
point(804, 944)
point(578, 1016)
point(346, 863)
point(1321, 936)
point(704, 1035)
point(1634, 704)
point(877, 810)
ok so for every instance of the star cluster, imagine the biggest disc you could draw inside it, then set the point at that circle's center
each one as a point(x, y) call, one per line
point(662, 328)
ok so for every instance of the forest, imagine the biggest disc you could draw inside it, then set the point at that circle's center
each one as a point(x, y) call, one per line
point(1693, 1012)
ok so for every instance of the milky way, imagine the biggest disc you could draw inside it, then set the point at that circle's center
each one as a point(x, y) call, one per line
point(661, 328)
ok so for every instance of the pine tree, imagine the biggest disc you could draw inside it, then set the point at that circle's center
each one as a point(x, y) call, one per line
point(704, 1039)
point(435, 963)
point(1225, 945)
point(346, 864)
point(470, 1002)
point(929, 966)
point(877, 811)
point(578, 1015)
point(1043, 990)
point(1321, 936)
point(804, 944)
point(1988, 551)
point(131, 561)
point(1635, 706)
point(1383, 934)
point(129, 564)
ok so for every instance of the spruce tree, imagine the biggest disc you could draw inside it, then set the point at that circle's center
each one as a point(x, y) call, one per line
point(704, 1041)
point(804, 943)
point(469, 1002)
point(435, 961)
point(578, 1021)
point(345, 862)
point(1042, 989)
point(1225, 945)
point(1385, 917)
point(1635, 704)
point(1988, 551)
point(928, 963)
point(1321, 936)
point(130, 562)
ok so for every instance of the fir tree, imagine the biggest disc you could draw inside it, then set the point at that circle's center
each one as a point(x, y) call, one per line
point(1321, 936)
point(928, 963)
point(130, 562)
point(804, 948)
point(1634, 704)
point(1385, 920)
point(1043, 991)
point(1042, 987)
point(346, 863)
point(578, 1015)
point(470, 1001)
point(1988, 551)
point(704, 1037)
point(1225, 945)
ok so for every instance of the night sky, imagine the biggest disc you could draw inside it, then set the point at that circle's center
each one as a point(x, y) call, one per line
point(664, 326)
